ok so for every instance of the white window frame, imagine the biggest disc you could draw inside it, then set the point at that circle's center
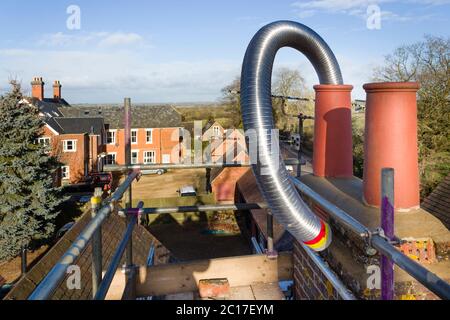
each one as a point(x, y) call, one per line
point(45, 140)
point(114, 136)
point(146, 157)
point(216, 128)
point(137, 156)
point(146, 136)
point(114, 154)
point(136, 132)
point(65, 176)
point(74, 145)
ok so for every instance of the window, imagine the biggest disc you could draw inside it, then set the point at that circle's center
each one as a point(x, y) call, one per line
point(65, 172)
point(134, 157)
point(149, 135)
point(110, 158)
point(216, 131)
point(111, 137)
point(134, 136)
point(149, 157)
point(44, 141)
point(69, 145)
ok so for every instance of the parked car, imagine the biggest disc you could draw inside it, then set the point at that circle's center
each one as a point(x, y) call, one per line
point(154, 171)
point(187, 191)
point(290, 168)
point(101, 179)
point(88, 184)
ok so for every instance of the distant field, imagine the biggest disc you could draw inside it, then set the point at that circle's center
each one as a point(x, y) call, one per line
point(203, 113)
point(225, 117)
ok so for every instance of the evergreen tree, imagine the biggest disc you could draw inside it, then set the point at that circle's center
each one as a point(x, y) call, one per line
point(28, 200)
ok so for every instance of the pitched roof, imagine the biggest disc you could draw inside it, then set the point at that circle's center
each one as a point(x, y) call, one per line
point(209, 124)
point(48, 107)
point(79, 125)
point(438, 202)
point(112, 231)
point(141, 116)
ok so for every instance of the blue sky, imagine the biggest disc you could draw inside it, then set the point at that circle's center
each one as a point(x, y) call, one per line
point(178, 51)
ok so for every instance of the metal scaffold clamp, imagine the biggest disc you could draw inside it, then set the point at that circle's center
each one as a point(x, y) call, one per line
point(368, 236)
point(131, 212)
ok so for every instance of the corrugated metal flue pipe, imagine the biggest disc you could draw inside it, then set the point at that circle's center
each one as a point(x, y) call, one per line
point(256, 103)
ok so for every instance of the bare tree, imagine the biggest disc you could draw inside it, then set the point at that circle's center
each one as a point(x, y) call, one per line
point(427, 62)
point(231, 98)
point(400, 66)
point(288, 82)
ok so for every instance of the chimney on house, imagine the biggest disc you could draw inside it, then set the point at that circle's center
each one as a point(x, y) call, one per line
point(57, 90)
point(37, 88)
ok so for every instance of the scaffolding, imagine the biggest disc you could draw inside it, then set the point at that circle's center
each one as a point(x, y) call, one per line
point(277, 266)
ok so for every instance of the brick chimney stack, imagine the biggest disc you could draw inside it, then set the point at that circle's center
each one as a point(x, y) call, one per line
point(57, 90)
point(37, 88)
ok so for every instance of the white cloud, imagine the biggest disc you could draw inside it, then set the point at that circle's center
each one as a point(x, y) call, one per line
point(100, 76)
point(432, 2)
point(97, 39)
point(335, 5)
point(120, 39)
point(306, 13)
point(358, 8)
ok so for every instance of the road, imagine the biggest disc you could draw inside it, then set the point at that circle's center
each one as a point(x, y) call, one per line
point(289, 152)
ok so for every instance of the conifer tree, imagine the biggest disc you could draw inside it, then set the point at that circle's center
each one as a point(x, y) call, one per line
point(28, 200)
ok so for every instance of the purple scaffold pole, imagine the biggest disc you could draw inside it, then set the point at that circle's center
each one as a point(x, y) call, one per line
point(387, 224)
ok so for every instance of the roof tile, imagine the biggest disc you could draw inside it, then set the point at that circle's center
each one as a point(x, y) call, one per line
point(438, 202)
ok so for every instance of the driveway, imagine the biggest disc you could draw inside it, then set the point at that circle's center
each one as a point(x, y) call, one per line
point(167, 184)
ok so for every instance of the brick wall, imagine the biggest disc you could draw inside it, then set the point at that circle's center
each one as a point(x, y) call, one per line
point(310, 283)
point(78, 160)
point(347, 257)
point(165, 141)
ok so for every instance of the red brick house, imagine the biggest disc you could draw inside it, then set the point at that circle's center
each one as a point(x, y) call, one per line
point(86, 137)
point(155, 133)
point(77, 142)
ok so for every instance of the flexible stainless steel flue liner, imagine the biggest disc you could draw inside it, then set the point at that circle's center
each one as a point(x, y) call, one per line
point(256, 103)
